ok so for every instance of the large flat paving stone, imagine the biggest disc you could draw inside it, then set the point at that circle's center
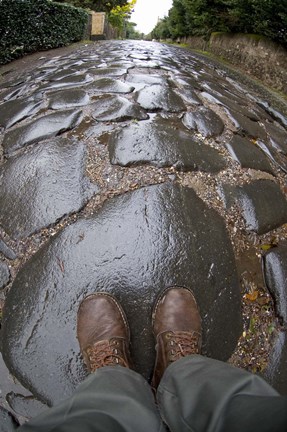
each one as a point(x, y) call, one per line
point(145, 79)
point(277, 136)
point(44, 127)
point(4, 274)
point(7, 421)
point(159, 97)
point(67, 81)
point(205, 121)
point(113, 107)
point(64, 99)
point(56, 75)
point(246, 126)
point(282, 119)
point(109, 72)
point(189, 96)
point(275, 273)
point(13, 111)
point(248, 155)
point(25, 406)
point(276, 372)
point(7, 251)
point(279, 159)
point(110, 85)
point(42, 185)
point(262, 203)
point(136, 245)
point(162, 142)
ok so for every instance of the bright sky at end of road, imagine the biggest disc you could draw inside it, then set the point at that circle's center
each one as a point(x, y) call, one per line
point(147, 12)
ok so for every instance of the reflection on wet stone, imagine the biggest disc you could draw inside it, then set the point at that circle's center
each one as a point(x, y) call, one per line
point(41, 185)
point(159, 97)
point(275, 270)
point(109, 85)
point(146, 79)
point(278, 137)
point(96, 254)
point(40, 129)
point(262, 202)
point(276, 371)
point(117, 108)
point(248, 154)
point(246, 126)
point(68, 98)
point(162, 142)
point(14, 111)
point(138, 243)
point(68, 81)
point(278, 158)
point(205, 121)
point(115, 72)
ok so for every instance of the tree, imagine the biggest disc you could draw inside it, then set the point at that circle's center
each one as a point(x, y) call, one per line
point(119, 16)
point(202, 17)
point(95, 5)
point(177, 19)
point(131, 32)
point(161, 30)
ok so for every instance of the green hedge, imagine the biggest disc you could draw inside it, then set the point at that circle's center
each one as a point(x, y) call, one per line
point(31, 25)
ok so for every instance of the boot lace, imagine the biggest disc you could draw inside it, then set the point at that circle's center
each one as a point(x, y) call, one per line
point(106, 353)
point(181, 344)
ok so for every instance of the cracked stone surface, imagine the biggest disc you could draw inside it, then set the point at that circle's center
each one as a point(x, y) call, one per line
point(46, 183)
point(162, 142)
point(246, 126)
point(128, 166)
point(86, 256)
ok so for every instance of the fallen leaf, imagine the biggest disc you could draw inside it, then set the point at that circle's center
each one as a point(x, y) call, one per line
point(252, 296)
point(266, 247)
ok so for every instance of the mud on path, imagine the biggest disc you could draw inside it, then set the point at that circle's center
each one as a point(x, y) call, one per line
point(138, 143)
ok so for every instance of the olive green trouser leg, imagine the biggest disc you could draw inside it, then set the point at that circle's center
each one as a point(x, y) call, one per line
point(113, 399)
point(199, 394)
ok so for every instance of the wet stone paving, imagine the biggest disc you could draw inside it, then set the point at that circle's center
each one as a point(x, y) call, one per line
point(127, 167)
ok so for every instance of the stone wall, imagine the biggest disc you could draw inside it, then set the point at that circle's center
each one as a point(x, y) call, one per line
point(257, 55)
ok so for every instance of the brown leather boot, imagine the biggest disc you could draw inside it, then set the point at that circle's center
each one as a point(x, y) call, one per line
point(103, 332)
point(177, 328)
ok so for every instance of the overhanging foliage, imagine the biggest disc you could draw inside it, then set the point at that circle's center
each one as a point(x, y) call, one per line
point(31, 25)
point(202, 17)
